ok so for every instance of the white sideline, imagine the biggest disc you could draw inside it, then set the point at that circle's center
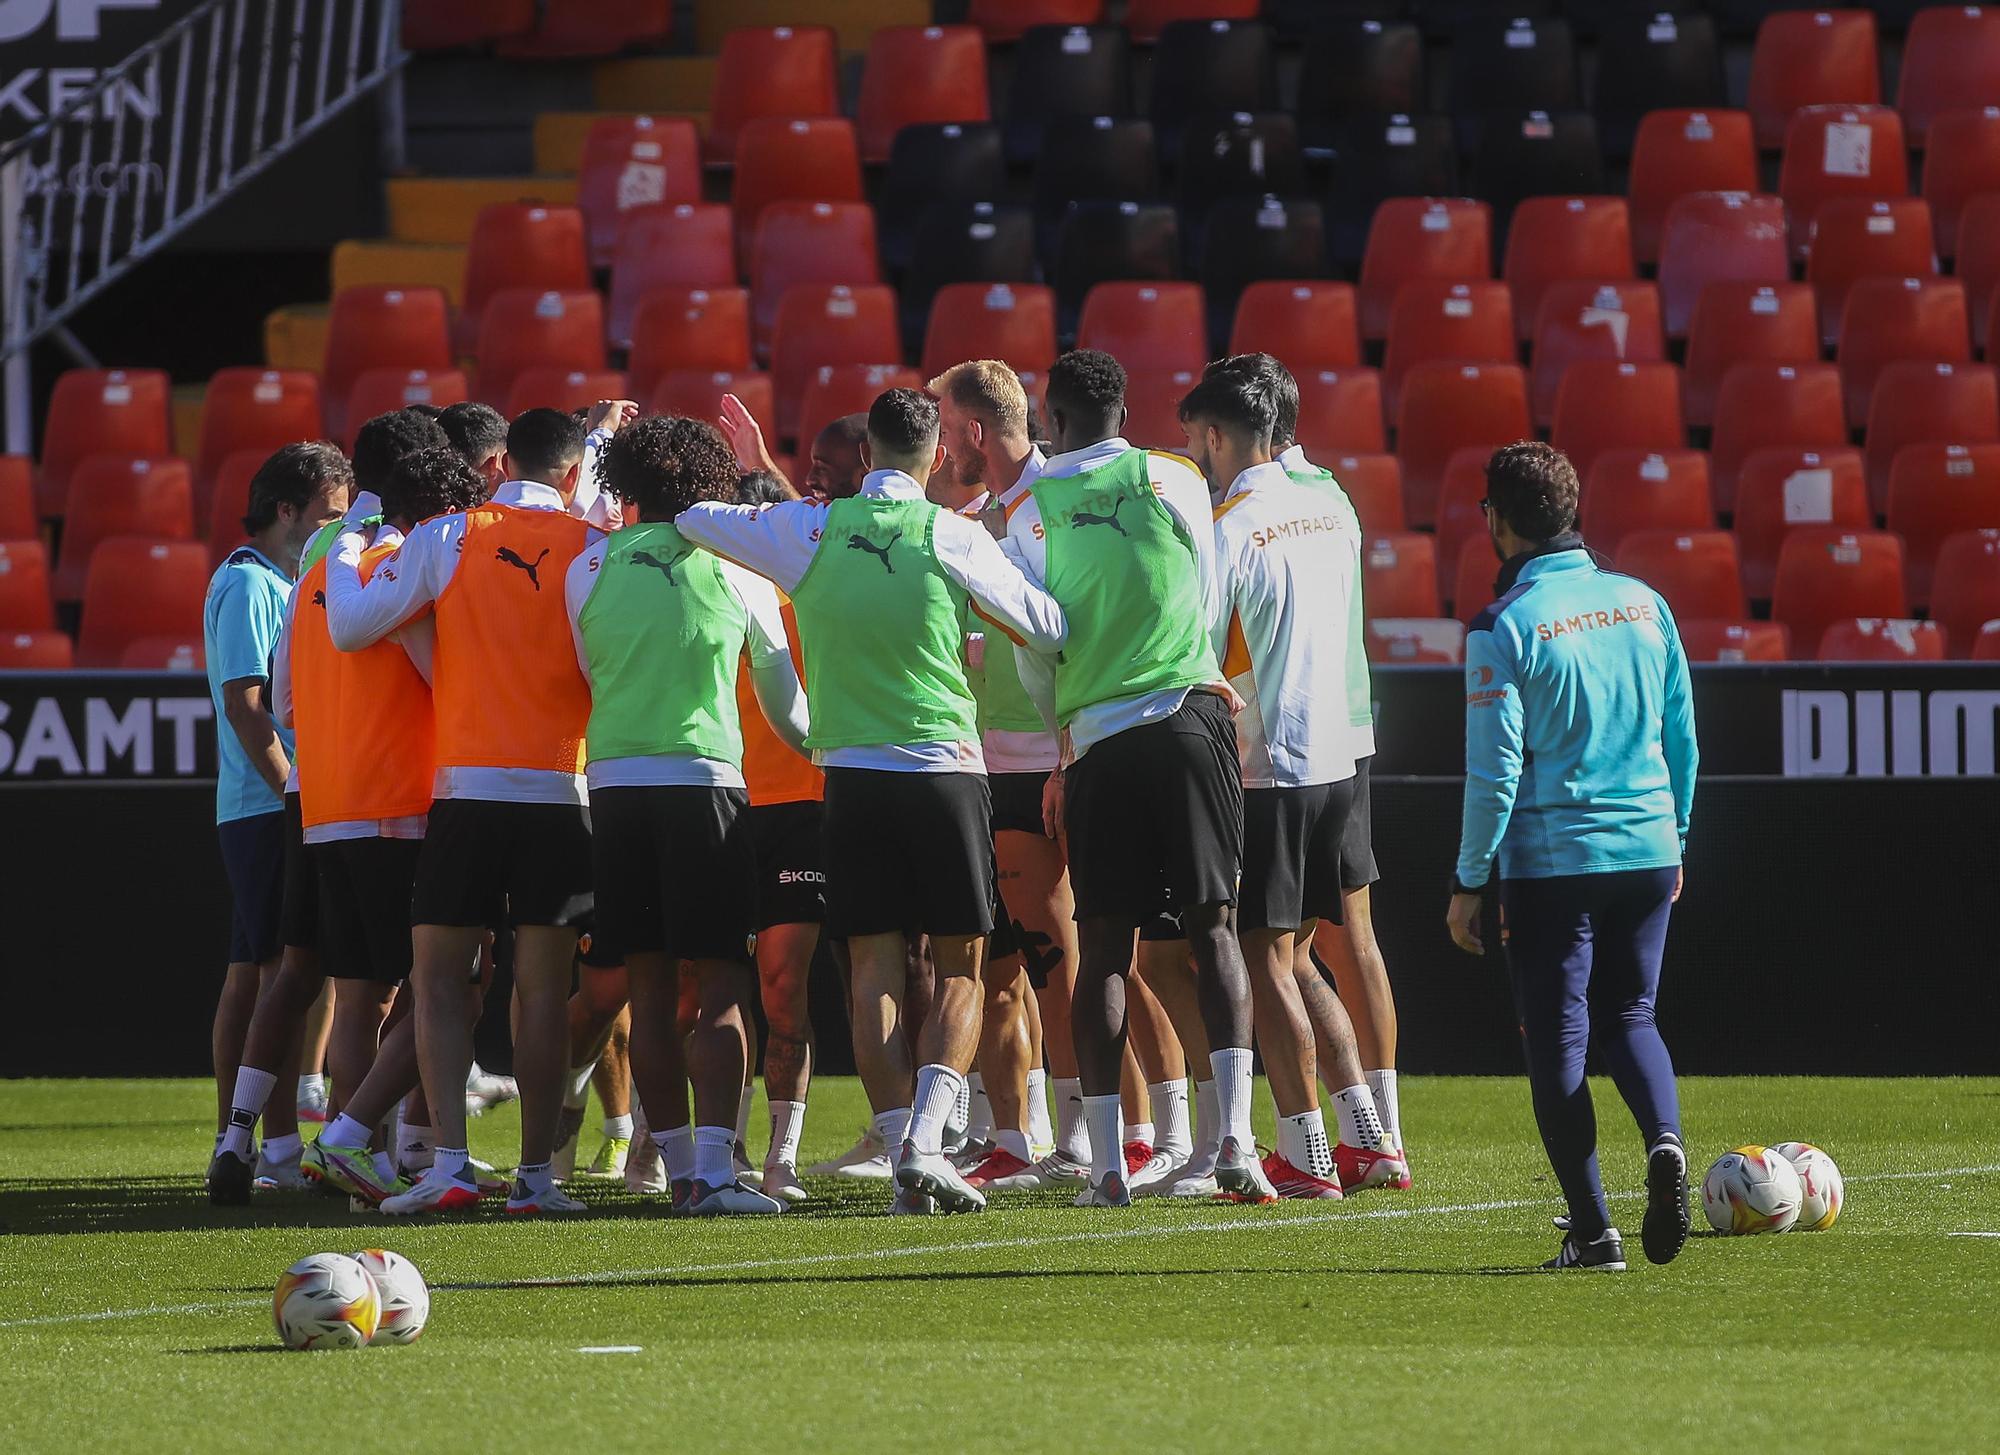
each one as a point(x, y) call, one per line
point(1094, 1235)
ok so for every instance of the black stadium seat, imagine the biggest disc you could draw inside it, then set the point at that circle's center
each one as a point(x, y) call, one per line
point(1589, 19)
point(959, 242)
point(1359, 68)
point(932, 163)
point(1447, 19)
point(1065, 70)
point(1535, 155)
point(1234, 156)
point(1206, 67)
point(1654, 63)
point(1104, 242)
point(1086, 158)
point(1297, 20)
point(1253, 238)
point(1519, 64)
point(1380, 157)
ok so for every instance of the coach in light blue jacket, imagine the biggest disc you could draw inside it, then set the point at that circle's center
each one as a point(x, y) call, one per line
point(1579, 775)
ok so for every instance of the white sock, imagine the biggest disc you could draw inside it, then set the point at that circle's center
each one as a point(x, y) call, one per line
point(415, 1146)
point(938, 1088)
point(1302, 1142)
point(384, 1168)
point(1010, 1141)
point(536, 1177)
point(1207, 1117)
point(788, 1123)
point(893, 1128)
point(1072, 1131)
point(450, 1162)
point(1140, 1132)
point(283, 1149)
point(345, 1131)
point(1360, 1124)
point(979, 1124)
point(1232, 1095)
point(714, 1155)
point(743, 1117)
point(1040, 1132)
point(1170, 1110)
point(619, 1126)
point(1107, 1148)
point(576, 1090)
point(1388, 1104)
point(246, 1104)
point(676, 1146)
point(312, 1087)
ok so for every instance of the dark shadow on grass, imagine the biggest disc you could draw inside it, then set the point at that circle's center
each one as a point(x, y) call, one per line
point(958, 1275)
point(247, 1349)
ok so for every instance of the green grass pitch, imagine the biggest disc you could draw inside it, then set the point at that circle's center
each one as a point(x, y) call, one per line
point(134, 1317)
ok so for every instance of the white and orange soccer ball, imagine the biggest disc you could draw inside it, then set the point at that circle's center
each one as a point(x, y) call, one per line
point(327, 1301)
point(1819, 1177)
point(406, 1299)
point(1751, 1190)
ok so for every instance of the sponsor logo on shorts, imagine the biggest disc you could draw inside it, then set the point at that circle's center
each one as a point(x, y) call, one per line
point(801, 876)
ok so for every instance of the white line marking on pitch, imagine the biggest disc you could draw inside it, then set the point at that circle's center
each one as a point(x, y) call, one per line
point(1972, 1235)
point(1095, 1235)
point(612, 1349)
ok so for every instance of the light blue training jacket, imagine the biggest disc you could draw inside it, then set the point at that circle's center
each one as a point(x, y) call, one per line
point(1579, 725)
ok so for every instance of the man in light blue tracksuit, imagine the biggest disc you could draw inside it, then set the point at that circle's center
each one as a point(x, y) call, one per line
point(1579, 772)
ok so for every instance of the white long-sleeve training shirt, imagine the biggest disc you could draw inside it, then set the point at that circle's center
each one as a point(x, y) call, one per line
point(1008, 751)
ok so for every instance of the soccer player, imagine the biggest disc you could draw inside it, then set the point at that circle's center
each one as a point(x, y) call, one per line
point(479, 433)
point(1580, 761)
point(508, 837)
point(882, 583)
point(1151, 799)
point(293, 493)
point(660, 628)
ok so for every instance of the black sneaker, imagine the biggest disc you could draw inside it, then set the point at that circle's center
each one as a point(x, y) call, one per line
point(1665, 1230)
point(229, 1180)
point(1605, 1255)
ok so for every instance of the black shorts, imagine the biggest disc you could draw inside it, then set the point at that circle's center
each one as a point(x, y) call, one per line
point(791, 877)
point(1357, 848)
point(594, 950)
point(253, 858)
point(1157, 807)
point(1017, 802)
point(675, 870)
point(300, 922)
point(1005, 939)
point(1292, 841)
point(490, 863)
point(908, 851)
point(1163, 927)
point(364, 906)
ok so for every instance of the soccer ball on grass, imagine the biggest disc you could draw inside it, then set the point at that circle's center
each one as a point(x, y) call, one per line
point(1824, 1190)
point(327, 1301)
point(406, 1300)
point(1751, 1190)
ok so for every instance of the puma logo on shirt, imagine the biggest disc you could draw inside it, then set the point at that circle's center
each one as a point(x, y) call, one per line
point(666, 567)
point(881, 552)
point(507, 554)
point(319, 599)
point(1084, 517)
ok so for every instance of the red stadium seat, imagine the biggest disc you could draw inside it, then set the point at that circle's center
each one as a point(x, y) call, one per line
point(1781, 489)
point(1678, 152)
point(36, 651)
point(820, 324)
point(1965, 589)
point(1936, 491)
point(1881, 639)
point(1718, 237)
point(1421, 237)
point(380, 328)
point(778, 71)
point(688, 245)
point(25, 601)
point(1604, 405)
point(1459, 516)
point(1986, 646)
point(1564, 239)
point(630, 162)
point(1404, 641)
point(842, 389)
point(99, 412)
point(521, 245)
point(1374, 483)
point(1399, 575)
point(1854, 238)
point(1769, 406)
point(228, 501)
point(1826, 574)
point(1341, 410)
point(1708, 639)
point(792, 159)
point(140, 588)
point(600, 28)
point(435, 25)
point(1917, 402)
point(1446, 407)
point(121, 495)
point(1615, 321)
point(1012, 322)
point(1735, 322)
point(1473, 579)
point(1306, 324)
point(379, 391)
point(1696, 571)
point(1160, 325)
point(524, 328)
point(1951, 61)
point(167, 653)
point(1811, 58)
point(1978, 266)
point(697, 393)
point(1470, 322)
point(689, 328)
point(18, 521)
point(248, 409)
point(1962, 162)
point(1892, 319)
point(1840, 151)
point(547, 386)
point(1634, 490)
point(1145, 19)
point(1152, 402)
point(916, 74)
point(807, 243)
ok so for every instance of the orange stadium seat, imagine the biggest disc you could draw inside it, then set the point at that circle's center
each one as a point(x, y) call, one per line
point(138, 587)
point(689, 328)
point(1006, 20)
point(631, 162)
point(1936, 491)
point(1421, 237)
point(697, 393)
point(1152, 401)
point(791, 159)
point(1341, 409)
point(919, 73)
point(1473, 579)
point(249, 409)
point(1891, 319)
point(1978, 265)
point(1918, 402)
point(1716, 237)
point(1374, 484)
point(1951, 61)
point(549, 386)
point(1604, 405)
point(167, 653)
point(1708, 639)
point(1012, 322)
point(1881, 639)
point(36, 651)
point(25, 601)
point(1826, 574)
point(1470, 322)
point(842, 389)
point(1416, 641)
point(820, 324)
point(600, 28)
point(1564, 240)
point(774, 71)
point(524, 328)
point(18, 521)
point(1767, 406)
point(1735, 322)
point(100, 411)
point(688, 245)
point(1446, 407)
point(378, 391)
point(372, 327)
point(228, 501)
point(804, 243)
point(121, 495)
point(1147, 18)
point(1634, 490)
point(1307, 324)
point(1855, 238)
point(433, 25)
point(520, 245)
point(1582, 320)
point(1965, 589)
point(1811, 58)
point(1780, 489)
point(1962, 162)
point(1678, 152)
point(1840, 151)
point(1155, 325)
point(1399, 574)
point(1696, 571)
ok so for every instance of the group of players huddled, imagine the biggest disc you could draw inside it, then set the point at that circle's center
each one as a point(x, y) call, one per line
point(1065, 755)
